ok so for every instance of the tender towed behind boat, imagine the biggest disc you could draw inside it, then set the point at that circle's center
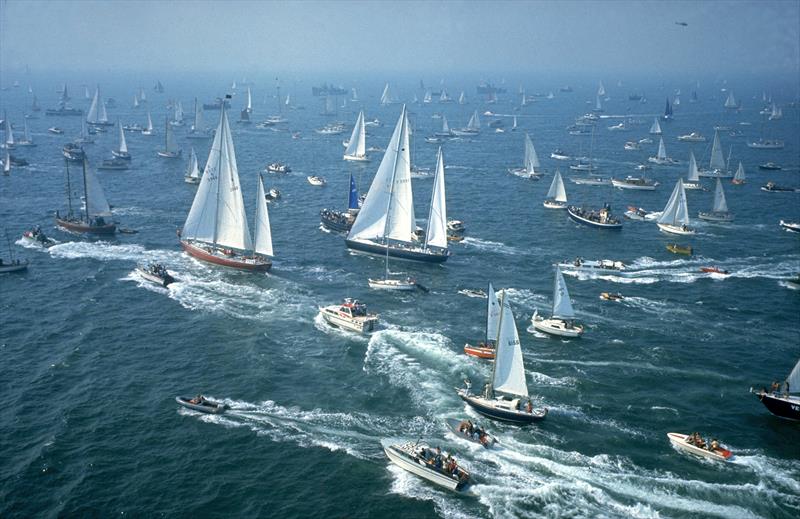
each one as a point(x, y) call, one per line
point(431, 464)
point(202, 404)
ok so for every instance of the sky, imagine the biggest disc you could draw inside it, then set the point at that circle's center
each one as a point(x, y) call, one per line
point(443, 37)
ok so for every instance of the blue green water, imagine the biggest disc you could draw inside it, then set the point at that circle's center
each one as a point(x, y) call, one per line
point(93, 356)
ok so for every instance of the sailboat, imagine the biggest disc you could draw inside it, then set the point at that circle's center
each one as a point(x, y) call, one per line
point(532, 166)
point(601, 91)
point(655, 129)
point(446, 131)
point(192, 175)
point(486, 348)
point(244, 117)
point(503, 393)
point(386, 98)
point(63, 105)
point(719, 213)
point(26, 140)
point(739, 177)
point(216, 229)
point(342, 221)
point(92, 219)
point(562, 319)
point(357, 145)
point(386, 221)
point(667, 111)
point(661, 157)
point(428, 97)
point(730, 101)
point(784, 404)
point(462, 99)
point(136, 101)
point(149, 130)
point(159, 88)
point(97, 115)
point(9, 140)
point(598, 105)
point(472, 128)
point(675, 217)
point(7, 164)
point(514, 124)
point(170, 150)
point(776, 113)
point(444, 97)
point(557, 195)
point(717, 166)
point(693, 178)
point(177, 119)
point(122, 151)
point(198, 129)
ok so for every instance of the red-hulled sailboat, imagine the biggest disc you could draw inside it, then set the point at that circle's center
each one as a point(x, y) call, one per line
point(216, 229)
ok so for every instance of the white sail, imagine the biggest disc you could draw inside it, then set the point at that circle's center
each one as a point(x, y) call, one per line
point(86, 94)
point(598, 104)
point(492, 315)
point(445, 126)
point(720, 204)
point(169, 139)
point(178, 113)
point(730, 102)
point(694, 173)
point(249, 105)
point(532, 163)
point(509, 370)
point(217, 215)
point(436, 234)
point(96, 203)
point(388, 209)
point(662, 150)
point(136, 101)
point(385, 99)
point(7, 163)
point(676, 211)
point(443, 97)
point(262, 240)
point(739, 176)
point(717, 159)
point(357, 145)
point(149, 122)
point(562, 306)
point(92, 114)
point(142, 95)
point(123, 145)
point(655, 129)
point(794, 378)
point(102, 116)
point(354, 95)
point(428, 97)
point(8, 130)
point(199, 125)
point(194, 170)
point(514, 125)
point(462, 99)
point(557, 191)
point(601, 90)
point(84, 131)
point(474, 121)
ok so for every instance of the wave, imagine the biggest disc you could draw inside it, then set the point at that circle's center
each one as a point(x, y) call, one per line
point(491, 246)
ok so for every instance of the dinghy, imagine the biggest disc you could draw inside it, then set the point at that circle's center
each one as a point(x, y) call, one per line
point(37, 237)
point(674, 248)
point(562, 317)
point(427, 463)
point(675, 217)
point(202, 404)
point(466, 430)
point(486, 348)
point(711, 450)
point(315, 180)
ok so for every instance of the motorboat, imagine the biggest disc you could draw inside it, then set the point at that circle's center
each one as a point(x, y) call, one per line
point(278, 167)
point(466, 430)
point(766, 144)
point(713, 270)
point(56, 130)
point(790, 226)
point(674, 248)
point(202, 404)
point(562, 318)
point(331, 129)
point(351, 315)
point(692, 137)
point(602, 266)
point(783, 403)
point(73, 152)
point(774, 188)
point(591, 181)
point(156, 273)
point(558, 154)
point(632, 146)
point(635, 183)
point(770, 166)
point(637, 213)
point(611, 296)
point(689, 443)
point(14, 265)
point(473, 292)
point(601, 218)
point(272, 194)
point(315, 180)
point(455, 226)
point(431, 464)
point(37, 237)
point(114, 164)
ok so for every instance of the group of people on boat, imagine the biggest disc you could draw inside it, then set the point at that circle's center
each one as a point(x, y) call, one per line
point(38, 235)
point(198, 400)
point(467, 428)
point(698, 441)
point(601, 216)
point(445, 464)
point(158, 269)
point(775, 388)
point(357, 309)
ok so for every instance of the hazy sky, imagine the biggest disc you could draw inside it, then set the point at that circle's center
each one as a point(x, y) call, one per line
point(479, 38)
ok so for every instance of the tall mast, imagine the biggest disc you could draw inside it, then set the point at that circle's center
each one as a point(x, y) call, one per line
point(69, 191)
point(497, 337)
point(394, 174)
point(278, 88)
point(85, 191)
point(255, 231)
point(219, 170)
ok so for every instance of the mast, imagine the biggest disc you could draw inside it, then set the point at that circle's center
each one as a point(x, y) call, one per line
point(219, 172)
point(69, 191)
point(85, 191)
point(394, 174)
point(502, 303)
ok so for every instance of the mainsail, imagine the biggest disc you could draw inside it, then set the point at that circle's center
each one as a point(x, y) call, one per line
point(385, 96)
point(794, 378)
point(694, 174)
point(668, 110)
point(149, 122)
point(436, 233)
point(9, 132)
point(93, 117)
point(739, 176)
point(474, 121)
point(263, 235)
point(730, 102)
point(532, 163)
point(217, 215)
point(509, 371)
point(676, 211)
point(193, 171)
point(717, 159)
point(662, 150)
point(199, 126)
point(562, 306)
point(352, 200)
point(655, 129)
point(169, 139)
point(462, 99)
point(445, 126)
point(557, 191)
point(123, 145)
point(96, 203)
point(720, 204)
point(357, 145)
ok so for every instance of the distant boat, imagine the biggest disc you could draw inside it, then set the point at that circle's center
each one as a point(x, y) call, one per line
point(244, 116)
point(472, 128)
point(556, 195)
point(93, 219)
point(562, 318)
point(667, 111)
point(342, 221)
point(719, 212)
point(159, 87)
point(675, 217)
point(198, 129)
point(216, 229)
point(149, 130)
point(192, 175)
point(35, 105)
point(486, 348)
point(170, 150)
point(766, 144)
point(63, 106)
point(122, 151)
point(97, 114)
point(635, 183)
point(730, 101)
point(177, 119)
point(386, 219)
point(462, 98)
point(693, 178)
point(717, 168)
point(357, 145)
point(503, 395)
point(739, 177)
point(531, 166)
point(776, 113)
point(386, 96)
point(661, 157)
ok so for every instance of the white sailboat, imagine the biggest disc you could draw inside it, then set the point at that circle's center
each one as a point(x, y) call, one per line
point(386, 97)
point(503, 395)
point(739, 177)
point(719, 213)
point(357, 145)
point(532, 166)
point(693, 178)
point(462, 98)
point(170, 150)
point(776, 113)
point(473, 126)
point(717, 168)
point(486, 348)
point(9, 140)
point(730, 101)
point(149, 130)
point(675, 217)
point(177, 119)
point(7, 164)
point(198, 129)
point(97, 114)
point(655, 128)
point(557, 195)
point(386, 221)
point(216, 229)
point(122, 151)
point(562, 319)
point(192, 175)
point(26, 139)
point(601, 90)
point(661, 157)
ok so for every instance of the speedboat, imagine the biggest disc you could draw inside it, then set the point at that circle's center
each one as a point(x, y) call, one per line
point(688, 443)
point(636, 183)
point(455, 226)
point(559, 155)
point(692, 137)
point(272, 194)
point(481, 351)
point(596, 266)
point(315, 180)
point(713, 270)
point(637, 213)
point(774, 188)
point(472, 292)
point(770, 166)
point(432, 464)
point(591, 181)
point(406, 284)
point(156, 273)
point(609, 296)
point(618, 128)
point(351, 315)
point(466, 430)
point(278, 167)
point(790, 226)
point(674, 248)
point(632, 146)
point(37, 237)
point(56, 130)
point(766, 144)
point(202, 404)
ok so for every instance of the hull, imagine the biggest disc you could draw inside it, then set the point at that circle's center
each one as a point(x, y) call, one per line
point(783, 407)
point(679, 441)
point(334, 224)
point(191, 180)
point(692, 185)
point(674, 229)
point(354, 325)
point(19, 267)
point(208, 406)
point(552, 204)
point(250, 265)
point(356, 158)
point(480, 352)
point(620, 184)
point(488, 409)
point(790, 226)
point(392, 284)
point(83, 227)
point(420, 469)
point(168, 154)
point(557, 327)
point(715, 217)
point(592, 223)
point(394, 252)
